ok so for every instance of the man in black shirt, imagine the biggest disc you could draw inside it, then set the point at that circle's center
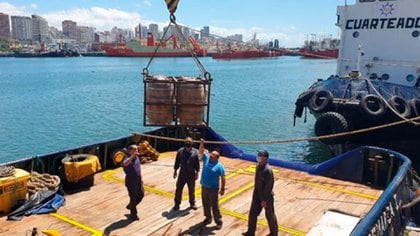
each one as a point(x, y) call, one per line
point(188, 162)
point(263, 196)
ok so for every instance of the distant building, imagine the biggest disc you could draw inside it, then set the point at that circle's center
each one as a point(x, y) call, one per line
point(205, 32)
point(119, 35)
point(55, 33)
point(143, 32)
point(154, 29)
point(97, 38)
point(39, 28)
point(86, 34)
point(4, 26)
point(276, 43)
point(236, 38)
point(70, 29)
point(137, 31)
point(21, 28)
point(171, 31)
point(129, 34)
point(186, 32)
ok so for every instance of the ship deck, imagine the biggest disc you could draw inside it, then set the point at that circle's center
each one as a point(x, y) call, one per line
point(300, 202)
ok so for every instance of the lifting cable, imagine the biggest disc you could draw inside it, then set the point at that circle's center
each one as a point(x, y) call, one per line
point(348, 133)
point(172, 6)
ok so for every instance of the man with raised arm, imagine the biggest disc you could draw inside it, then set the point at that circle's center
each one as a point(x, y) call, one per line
point(213, 170)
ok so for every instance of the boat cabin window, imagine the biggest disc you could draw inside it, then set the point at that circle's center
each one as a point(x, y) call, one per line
point(367, 0)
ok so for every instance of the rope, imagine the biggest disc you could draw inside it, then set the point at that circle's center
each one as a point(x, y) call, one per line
point(42, 182)
point(6, 171)
point(292, 140)
point(389, 105)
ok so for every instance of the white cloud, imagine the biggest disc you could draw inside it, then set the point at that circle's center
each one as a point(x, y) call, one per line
point(147, 3)
point(100, 18)
point(10, 9)
point(34, 6)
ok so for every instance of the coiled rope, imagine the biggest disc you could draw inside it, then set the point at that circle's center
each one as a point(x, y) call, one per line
point(292, 140)
point(6, 171)
point(42, 182)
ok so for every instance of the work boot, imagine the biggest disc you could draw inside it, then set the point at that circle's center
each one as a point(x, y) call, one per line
point(175, 208)
point(194, 207)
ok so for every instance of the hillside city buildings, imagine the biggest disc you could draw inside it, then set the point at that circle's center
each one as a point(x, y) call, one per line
point(24, 31)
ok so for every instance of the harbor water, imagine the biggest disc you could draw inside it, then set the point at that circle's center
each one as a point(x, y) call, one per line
point(53, 104)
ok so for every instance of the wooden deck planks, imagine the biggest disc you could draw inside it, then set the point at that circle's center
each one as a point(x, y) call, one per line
point(300, 201)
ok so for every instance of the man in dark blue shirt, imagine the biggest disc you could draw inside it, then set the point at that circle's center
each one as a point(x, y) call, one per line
point(133, 180)
point(187, 160)
point(263, 196)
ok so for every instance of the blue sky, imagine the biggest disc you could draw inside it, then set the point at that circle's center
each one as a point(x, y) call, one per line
point(290, 21)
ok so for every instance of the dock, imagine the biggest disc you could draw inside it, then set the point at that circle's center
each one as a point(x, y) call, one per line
point(300, 202)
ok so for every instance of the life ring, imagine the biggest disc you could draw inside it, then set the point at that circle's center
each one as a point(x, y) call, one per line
point(77, 167)
point(331, 123)
point(320, 100)
point(400, 105)
point(372, 105)
point(415, 106)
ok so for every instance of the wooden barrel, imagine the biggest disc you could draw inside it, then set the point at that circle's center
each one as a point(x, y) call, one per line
point(160, 91)
point(191, 101)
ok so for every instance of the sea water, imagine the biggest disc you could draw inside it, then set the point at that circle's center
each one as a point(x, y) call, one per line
point(54, 104)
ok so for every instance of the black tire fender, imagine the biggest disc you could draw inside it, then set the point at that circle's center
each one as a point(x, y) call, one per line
point(400, 105)
point(331, 123)
point(320, 100)
point(415, 106)
point(372, 105)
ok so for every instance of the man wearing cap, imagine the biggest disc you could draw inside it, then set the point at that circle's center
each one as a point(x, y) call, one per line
point(187, 160)
point(263, 196)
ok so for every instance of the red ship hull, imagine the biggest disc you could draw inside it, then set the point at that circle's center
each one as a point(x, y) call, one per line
point(246, 54)
point(127, 52)
point(325, 54)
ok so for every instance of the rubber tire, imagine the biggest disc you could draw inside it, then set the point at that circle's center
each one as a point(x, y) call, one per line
point(366, 107)
point(397, 101)
point(331, 123)
point(326, 97)
point(415, 106)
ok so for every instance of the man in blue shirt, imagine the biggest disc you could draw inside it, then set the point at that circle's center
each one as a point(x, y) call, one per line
point(133, 180)
point(212, 170)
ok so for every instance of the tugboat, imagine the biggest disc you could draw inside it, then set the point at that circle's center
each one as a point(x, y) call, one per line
point(375, 96)
point(372, 196)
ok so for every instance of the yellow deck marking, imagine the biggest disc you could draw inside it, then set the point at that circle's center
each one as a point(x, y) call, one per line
point(109, 175)
point(236, 193)
point(261, 222)
point(314, 185)
point(94, 232)
point(250, 169)
point(363, 195)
